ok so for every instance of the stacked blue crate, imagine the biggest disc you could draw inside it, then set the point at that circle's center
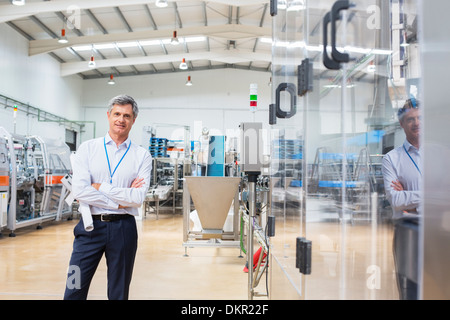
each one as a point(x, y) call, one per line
point(288, 149)
point(158, 147)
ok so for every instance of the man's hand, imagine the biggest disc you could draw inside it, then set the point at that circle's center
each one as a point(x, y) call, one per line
point(397, 185)
point(137, 183)
point(96, 185)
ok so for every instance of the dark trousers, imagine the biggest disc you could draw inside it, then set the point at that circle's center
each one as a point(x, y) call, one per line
point(405, 245)
point(118, 241)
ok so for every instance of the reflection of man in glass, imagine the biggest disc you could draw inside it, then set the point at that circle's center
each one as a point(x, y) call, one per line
point(402, 180)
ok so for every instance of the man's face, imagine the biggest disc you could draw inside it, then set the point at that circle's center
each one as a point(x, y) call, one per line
point(121, 119)
point(411, 124)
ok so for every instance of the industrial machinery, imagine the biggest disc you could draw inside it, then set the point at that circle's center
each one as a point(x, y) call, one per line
point(171, 162)
point(4, 182)
point(166, 184)
point(231, 201)
point(258, 197)
point(215, 197)
point(35, 191)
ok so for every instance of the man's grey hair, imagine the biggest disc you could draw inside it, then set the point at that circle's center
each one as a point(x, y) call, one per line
point(123, 100)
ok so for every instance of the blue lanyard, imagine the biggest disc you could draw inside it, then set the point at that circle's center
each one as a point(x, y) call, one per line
point(412, 160)
point(107, 158)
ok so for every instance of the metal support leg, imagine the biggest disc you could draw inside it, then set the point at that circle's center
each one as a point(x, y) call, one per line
point(251, 217)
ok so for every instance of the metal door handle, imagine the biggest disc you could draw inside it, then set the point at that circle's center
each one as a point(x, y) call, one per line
point(337, 57)
point(338, 6)
point(328, 62)
point(275, 110)
point(289, 87)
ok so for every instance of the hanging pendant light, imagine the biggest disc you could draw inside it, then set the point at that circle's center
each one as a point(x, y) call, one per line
point(63, 38)
point(91, 62)
point(189, 82)
point(111, 80)
point(183, 64)
point(161, 3)
point(18, 2)
point(371, 67)
point(174, 40)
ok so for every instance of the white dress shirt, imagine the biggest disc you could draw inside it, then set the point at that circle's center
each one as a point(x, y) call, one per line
point(90, 165)
point(397, 165)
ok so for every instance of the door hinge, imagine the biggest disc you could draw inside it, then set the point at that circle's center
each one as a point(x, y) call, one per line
point(271, 226)
point(303, 255)
point(305, 77)
point(273, 8)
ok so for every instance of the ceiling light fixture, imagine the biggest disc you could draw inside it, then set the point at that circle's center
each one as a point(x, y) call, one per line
point(174, 40)
point(18, 2)
point(183, 64)
point(189, 82)
point(161, 3)
point(131, 44)
point(111, 80)
point(63, 38)
point(91, 62)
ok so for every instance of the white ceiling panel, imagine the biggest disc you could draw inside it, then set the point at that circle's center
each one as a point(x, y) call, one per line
point(129, 37)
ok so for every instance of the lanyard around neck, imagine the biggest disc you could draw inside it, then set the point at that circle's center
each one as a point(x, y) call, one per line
point(107, 159)
point(415, 164)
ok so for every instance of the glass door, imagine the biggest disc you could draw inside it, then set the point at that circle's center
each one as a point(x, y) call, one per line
point(345, 219)
point(288, 137)
point(335, 218)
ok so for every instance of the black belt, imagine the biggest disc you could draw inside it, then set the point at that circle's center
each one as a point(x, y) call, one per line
point(109, 217)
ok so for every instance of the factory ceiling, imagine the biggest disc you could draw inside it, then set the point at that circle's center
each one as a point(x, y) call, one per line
point(133, 37)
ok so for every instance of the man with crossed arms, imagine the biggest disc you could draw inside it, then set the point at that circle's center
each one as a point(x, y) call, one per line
point(111, 176)
point(402, 182)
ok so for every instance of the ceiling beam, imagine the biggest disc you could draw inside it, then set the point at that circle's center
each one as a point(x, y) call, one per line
point(10, 12)
point(229, 31)
point(164, 71)
point(225, 56)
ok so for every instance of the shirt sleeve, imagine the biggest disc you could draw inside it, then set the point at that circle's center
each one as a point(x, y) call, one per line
point(82, 188)
point(131, 197)
point(399, 200)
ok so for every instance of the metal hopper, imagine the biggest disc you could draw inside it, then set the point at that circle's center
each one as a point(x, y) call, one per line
point(212, 198)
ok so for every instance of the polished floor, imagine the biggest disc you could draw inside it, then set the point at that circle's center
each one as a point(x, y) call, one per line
point(33, 265)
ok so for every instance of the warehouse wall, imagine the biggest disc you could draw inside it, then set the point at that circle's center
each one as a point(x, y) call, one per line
point(35, 81)
point(219, 100)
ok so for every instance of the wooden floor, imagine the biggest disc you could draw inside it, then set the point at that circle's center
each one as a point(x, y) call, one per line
point(33, 265)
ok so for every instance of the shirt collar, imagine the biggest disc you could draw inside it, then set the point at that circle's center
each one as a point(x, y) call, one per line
point(408, 145)
point(108, 140)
